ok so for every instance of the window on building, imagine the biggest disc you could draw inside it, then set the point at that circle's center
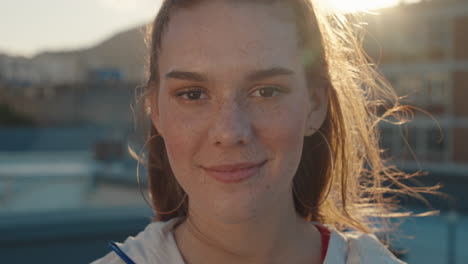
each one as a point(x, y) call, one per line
point(438, 38)
point(410, 87)
point(436, 145)
point(437, 87)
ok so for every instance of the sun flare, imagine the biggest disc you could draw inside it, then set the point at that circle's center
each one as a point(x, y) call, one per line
point(349, 6)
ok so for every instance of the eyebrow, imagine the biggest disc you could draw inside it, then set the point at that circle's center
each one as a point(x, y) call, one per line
point(268, 73)
point(186, 75)
point(254, 76)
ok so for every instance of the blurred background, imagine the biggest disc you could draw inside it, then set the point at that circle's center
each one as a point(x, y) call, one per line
point(68, 74)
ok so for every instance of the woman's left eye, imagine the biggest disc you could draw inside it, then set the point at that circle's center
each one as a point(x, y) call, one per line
point(192, 95)
point(267, 91)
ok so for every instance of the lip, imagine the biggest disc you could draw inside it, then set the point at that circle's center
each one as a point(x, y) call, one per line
point(233, 173)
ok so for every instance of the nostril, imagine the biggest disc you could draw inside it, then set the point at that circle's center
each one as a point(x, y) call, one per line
point(239, 142)
point(230, 140)
point(230, 127)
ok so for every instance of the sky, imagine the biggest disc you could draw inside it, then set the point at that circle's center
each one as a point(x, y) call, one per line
point(28, 27)
point(31, 26)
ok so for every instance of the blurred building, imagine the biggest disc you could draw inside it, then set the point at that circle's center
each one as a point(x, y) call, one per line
point(421, 48)
point(45, 68)
point(124, 54)
point(90, 86)
point(17, 70)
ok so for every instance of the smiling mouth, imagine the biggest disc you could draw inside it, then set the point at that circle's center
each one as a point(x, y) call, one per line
point(234, 173)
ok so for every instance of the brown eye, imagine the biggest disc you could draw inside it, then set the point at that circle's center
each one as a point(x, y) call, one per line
point(192, 95)
point(267, 91)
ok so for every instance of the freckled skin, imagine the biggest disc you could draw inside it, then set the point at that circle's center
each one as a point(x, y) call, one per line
point(230, 118)
point(231, 125)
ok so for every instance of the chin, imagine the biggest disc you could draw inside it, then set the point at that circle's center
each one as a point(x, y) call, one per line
point(235, 212)
point(233, 219)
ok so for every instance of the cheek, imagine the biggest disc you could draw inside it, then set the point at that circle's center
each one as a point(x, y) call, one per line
point(184, 134)
point(287, 140)
point(181, 146)
point(180, 128)
point(283, 125)
point(283, 134)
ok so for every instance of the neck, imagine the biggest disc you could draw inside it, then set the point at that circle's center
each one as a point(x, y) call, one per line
point(276, 236)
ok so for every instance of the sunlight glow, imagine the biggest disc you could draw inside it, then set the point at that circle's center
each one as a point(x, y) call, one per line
point(131, 6)
point(349, 6)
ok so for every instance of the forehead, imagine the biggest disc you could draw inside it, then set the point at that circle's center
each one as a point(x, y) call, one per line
point(229, 33)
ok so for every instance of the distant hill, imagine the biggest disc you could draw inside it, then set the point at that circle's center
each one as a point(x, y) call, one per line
point(125, 51)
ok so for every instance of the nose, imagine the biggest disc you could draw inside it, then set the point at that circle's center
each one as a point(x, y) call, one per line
point(231, 125)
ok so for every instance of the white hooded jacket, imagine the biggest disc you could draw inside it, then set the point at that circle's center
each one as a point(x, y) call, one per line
point(156, 245)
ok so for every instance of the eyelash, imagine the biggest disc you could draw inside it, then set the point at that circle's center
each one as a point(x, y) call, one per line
point(276, 90)
point(185, 94)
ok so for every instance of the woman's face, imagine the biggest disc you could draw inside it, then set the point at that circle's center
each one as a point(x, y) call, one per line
point(233, 106)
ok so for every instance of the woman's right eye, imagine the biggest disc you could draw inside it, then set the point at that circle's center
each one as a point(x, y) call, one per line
point(192, 95)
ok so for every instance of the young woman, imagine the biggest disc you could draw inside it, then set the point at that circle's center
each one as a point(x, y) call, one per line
point(263, 145)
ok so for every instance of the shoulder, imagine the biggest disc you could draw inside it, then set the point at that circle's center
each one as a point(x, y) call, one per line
point(357, 247)
point(155, 244)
